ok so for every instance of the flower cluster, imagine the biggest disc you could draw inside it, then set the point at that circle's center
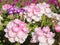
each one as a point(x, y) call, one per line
point(35, 11)
point(14, 10)
point(6, 6)
point(37, 17)
point(16, 31)
point(43, 36)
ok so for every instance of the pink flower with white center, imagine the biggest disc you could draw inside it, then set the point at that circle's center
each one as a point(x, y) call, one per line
point(16, 31)
point(6, 6)
point(42, 36)
point(57, 28)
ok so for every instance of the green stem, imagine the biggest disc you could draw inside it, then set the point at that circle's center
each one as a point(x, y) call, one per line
point(18, 43)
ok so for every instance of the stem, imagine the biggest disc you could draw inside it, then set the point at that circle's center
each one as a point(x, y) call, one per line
point(17, 43)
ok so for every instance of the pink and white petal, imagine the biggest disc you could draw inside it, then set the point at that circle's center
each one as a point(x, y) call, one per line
point(16, 38)
point(42, 39)
point(11, 34)
point(11, 40)
point(5, 30)
point(6, 35)
point(51, 41)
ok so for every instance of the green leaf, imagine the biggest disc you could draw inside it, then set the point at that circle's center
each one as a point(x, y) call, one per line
point(46, 21)
point(5, 23)
point(32, 26)
point(1, 27)
point(10, 17)
point(1, 44)
point(17, 43)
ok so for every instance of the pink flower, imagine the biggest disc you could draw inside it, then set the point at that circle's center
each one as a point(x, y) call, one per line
point(45, 5)
point(46, 29)
point(6, 6)
point(57, 28)
point(42, 36)
point(35, 11)
point(16, 31)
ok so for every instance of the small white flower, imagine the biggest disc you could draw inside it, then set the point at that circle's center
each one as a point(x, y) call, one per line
point(21, 40)
point(29, 19)
point(5, 30)
point(11, 40)
point(42, 39)
point(16, 39)
point(33, 40)
point(11, 34)
point(50, 41)
point(6, 35)
point(43, 43)
point(49, 15)
point(48, 10)
point(37, 19)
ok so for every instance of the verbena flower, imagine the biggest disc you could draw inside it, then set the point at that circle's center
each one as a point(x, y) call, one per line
point(14, 10)
point(20, 10)
point(6, 6)
point(16, 31)
point(43, 36)
point(35, 11)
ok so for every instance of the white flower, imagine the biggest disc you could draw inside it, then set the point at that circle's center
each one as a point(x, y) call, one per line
point(48, 10)
point(6, 35)
point(33, 40)
point(11, 40)
point(16, 38)
point(50, 41)
point(42, 39)
point(43, 44)
point(29, 19)
point(11, 34)
point(16, 31)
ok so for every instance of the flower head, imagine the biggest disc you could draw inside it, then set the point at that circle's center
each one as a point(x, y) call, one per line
point(43, 36)
point(35, 11)
point(16, 31)
point(6, 6)
point(14, 10)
